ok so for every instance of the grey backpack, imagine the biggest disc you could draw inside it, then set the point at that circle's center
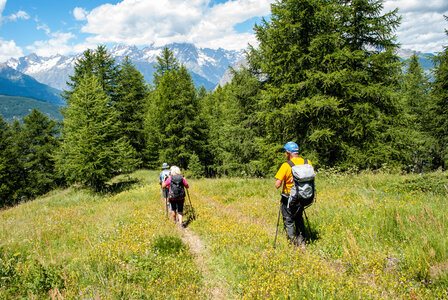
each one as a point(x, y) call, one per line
point(302, 191)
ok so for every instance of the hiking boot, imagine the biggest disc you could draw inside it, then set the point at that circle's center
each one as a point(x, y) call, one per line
point(300, 242)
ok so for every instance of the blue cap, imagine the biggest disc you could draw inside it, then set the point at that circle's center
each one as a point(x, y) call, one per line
point(291, 147)
point(165, 166)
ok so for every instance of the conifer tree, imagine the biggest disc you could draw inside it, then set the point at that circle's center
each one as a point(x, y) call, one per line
point(99, 63)
point(233, 127)
point(174, 130)
point(415, 118)
point(166, 62)
point(10, 182)
point(92, 151)
point(130, 104)
point(38, 143)
point(439, 95)
point(181, 132)
point(329, 74)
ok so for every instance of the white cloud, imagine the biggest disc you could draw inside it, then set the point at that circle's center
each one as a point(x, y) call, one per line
point(19, 15)
point(80, 13)
point(44, 27)
point(9, 49)
point(57, 44)
point(2, 7)
point(143, 22)
point(422, 25)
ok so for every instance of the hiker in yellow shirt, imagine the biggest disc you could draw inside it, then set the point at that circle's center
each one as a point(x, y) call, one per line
point(284, 179)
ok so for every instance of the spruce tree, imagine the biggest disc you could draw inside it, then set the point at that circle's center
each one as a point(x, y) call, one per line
point(92, 151)
point(130, 104)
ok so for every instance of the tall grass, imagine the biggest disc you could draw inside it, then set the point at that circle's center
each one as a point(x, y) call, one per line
point(371, 235)
point(80, 245)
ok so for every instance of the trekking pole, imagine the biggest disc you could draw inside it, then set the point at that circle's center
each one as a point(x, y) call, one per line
point(278, 221)
point(192, 208)
point(166, 207)
point(163, 198)
point(308, 222)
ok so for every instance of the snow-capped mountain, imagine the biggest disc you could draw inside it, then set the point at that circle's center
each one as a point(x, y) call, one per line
point(207, 66)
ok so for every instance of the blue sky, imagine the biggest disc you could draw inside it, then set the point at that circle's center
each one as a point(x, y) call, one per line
point(49, 27)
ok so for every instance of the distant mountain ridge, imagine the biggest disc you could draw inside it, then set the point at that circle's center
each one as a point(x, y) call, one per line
point(207, 66)
point(425, 60)
point(15, 108)
point(15, 83)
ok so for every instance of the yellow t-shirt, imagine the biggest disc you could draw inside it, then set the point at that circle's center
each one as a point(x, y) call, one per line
point(284, 174)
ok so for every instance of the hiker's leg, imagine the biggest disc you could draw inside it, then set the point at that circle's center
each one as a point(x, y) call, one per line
point(288, 221)
point(180, 211)
point(300, 226)
point(173, 210)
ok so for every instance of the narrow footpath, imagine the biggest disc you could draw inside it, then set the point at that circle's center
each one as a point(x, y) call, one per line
point(216, 288)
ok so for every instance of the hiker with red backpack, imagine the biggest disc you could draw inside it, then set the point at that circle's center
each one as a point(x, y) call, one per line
point(296, 175)
point(176, 195)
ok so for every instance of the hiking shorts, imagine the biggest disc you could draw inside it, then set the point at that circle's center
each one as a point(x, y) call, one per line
point(177, 205)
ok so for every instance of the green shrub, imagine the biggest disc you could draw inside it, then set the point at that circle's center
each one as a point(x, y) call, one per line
point(168, 245)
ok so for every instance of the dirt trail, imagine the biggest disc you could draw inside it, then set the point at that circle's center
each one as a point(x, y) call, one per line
point(216, 288)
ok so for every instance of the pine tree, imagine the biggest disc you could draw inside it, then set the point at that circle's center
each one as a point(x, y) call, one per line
point(92, 151)
point(39, 143)
point(130, 104)
point(439, 96)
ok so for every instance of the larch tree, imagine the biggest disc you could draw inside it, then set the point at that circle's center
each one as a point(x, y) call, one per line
point(130, 104)
point(329, 74)
point(93, 151)
point(39, 142)
point(439, 96)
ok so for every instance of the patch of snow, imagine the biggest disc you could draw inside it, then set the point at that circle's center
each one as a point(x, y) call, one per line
point(46, 65)
point(150, 55)
point(204, 59)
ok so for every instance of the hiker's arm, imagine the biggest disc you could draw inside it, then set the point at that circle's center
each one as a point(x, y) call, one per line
point(166, 183)
point(278, 183)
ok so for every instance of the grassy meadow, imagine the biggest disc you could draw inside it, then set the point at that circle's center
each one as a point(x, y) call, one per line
point(372, 236)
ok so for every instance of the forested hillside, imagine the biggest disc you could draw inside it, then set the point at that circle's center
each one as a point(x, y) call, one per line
point(325, 75)
point(15, 108)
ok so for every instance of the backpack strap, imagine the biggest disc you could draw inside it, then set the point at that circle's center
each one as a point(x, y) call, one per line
point(291, 164)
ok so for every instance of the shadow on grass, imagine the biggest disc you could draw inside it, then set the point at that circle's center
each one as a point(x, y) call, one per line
point(189, 214)
point(120, 186)
point(312, 234)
